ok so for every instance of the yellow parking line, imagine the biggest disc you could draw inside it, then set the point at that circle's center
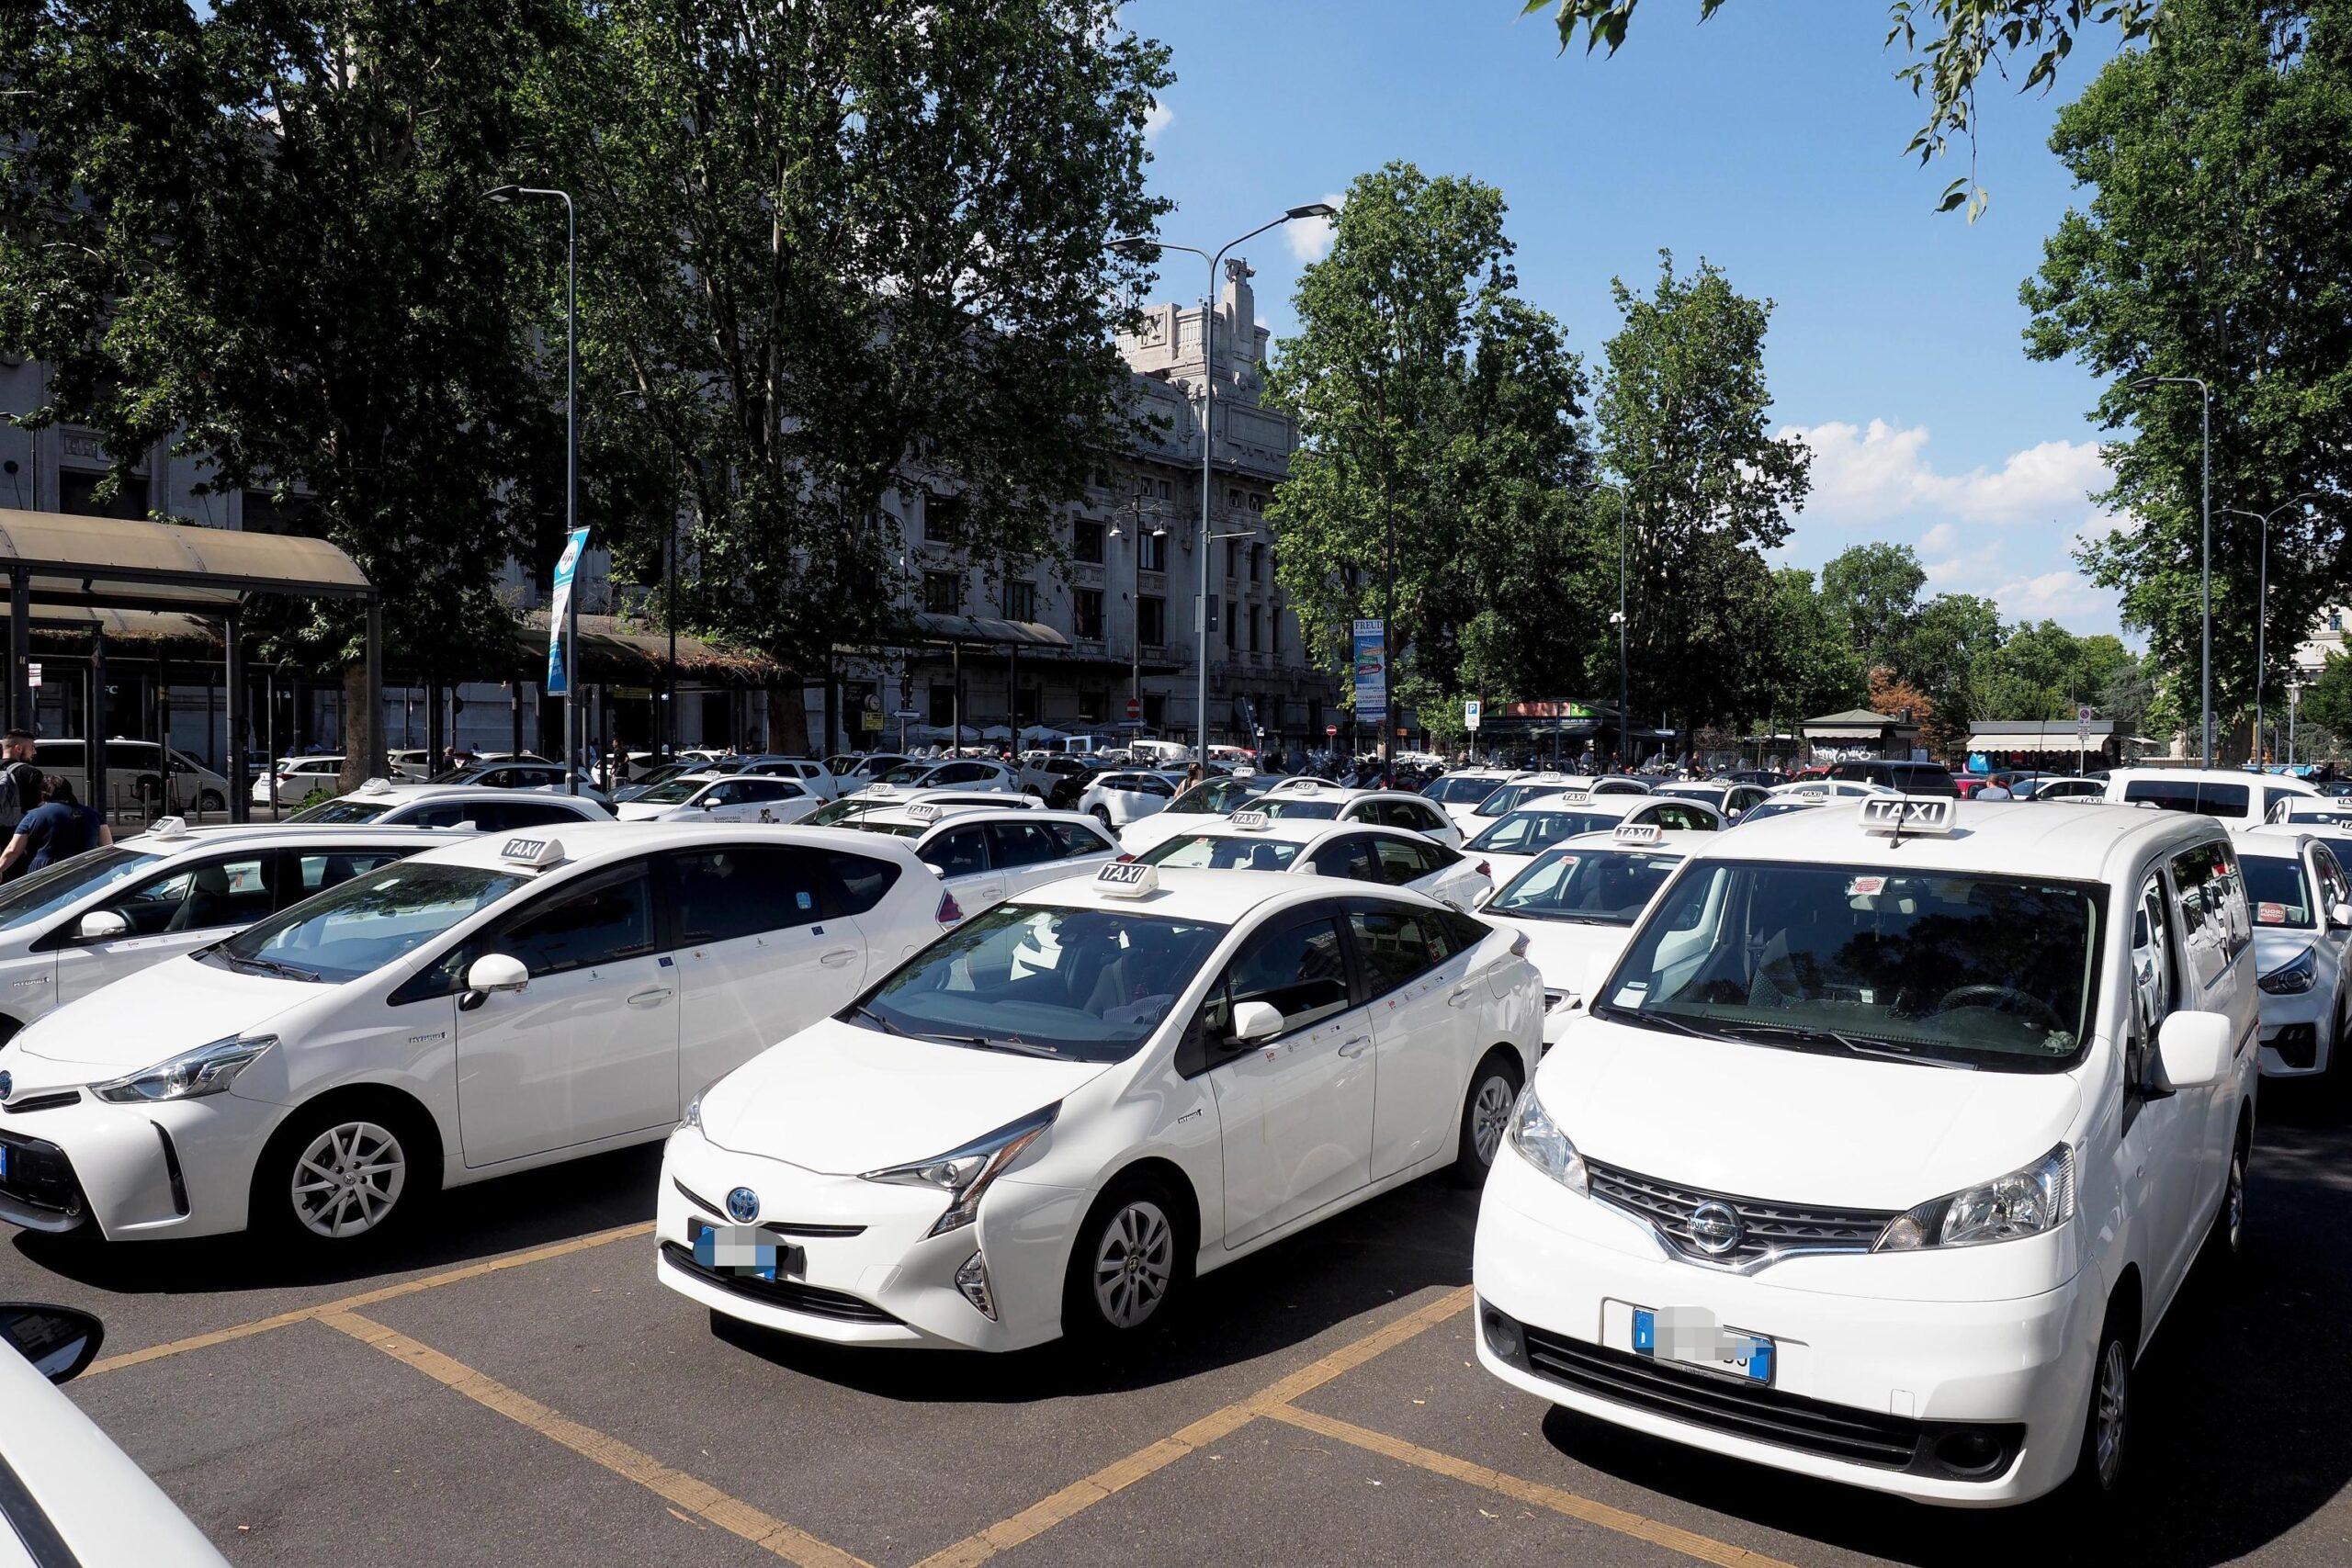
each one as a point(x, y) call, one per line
point(674, 1486)
point(1706, 1548)
point(366, 1298)
point(1079, 1495)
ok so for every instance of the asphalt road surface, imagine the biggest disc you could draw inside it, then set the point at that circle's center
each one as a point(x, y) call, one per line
point(510, 1387)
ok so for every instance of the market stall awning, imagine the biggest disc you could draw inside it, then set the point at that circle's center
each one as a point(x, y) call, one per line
point(123, 563)
point(1856, 723)
point(2038, 734)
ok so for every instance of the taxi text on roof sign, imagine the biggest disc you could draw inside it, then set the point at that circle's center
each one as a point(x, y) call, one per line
point(922, 812)
point(168, 828)
point(1637, 832)
point(1898, 815)
point(1249, 821)
point(535, 852)
point(1575, 796)
point(1127, 878)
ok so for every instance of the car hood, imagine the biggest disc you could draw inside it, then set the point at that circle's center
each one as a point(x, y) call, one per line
point(1794, 1126)
point(176, 1006)
point(643, 811)
point(2275, 946)
point(1149, 832)
point(1568, 954)
point(841, 1098)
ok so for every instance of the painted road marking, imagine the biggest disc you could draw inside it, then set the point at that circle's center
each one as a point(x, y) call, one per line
point(366, 1298)
point(675, 1487)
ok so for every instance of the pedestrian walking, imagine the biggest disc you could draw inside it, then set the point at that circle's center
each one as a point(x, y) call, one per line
point(58, 828)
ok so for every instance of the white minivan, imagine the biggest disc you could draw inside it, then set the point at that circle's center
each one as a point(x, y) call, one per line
point(1884, 1149)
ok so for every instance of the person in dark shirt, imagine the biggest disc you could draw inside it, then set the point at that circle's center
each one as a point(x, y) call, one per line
point(58, 828)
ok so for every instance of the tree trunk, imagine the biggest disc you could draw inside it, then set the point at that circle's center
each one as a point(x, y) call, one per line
point(787, 718)
point(355, 727)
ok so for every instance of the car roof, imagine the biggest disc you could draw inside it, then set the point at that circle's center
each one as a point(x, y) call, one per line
point(962, 816)
point(2213, 775)
point(1296, 829)
point(1225, 897)
point(1670, 841)
point(395, 793)
point(589, 843)
point(2095, 843)
point(2278, 840)
point(1618, 802)
point(275, 835)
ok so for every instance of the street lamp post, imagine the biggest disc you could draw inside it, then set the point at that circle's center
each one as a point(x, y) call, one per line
point(1134, 643)
point(2262, 604)
point(504, 196)
point(1624, 677)
point(2205, 571)
point(1208, 434)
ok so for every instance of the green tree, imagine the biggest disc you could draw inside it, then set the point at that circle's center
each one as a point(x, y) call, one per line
point(1440, 441)
point(1975, 35)
point(1873, 592)
point(1807, 665)
point(2214, 245)
point(259, 230)
point(840, 251)
point(1682, 424)
point(2327, 696)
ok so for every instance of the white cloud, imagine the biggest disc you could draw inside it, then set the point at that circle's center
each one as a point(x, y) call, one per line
point(1310, 238)
point(1864, 474)
point(2066, 597)
point(1157, 118)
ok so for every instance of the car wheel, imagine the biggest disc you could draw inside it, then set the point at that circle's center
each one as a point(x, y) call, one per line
point(1486, 1114)
point(2227, 1243)
point(1102, 815)
point(2105, 1461)
point(210, 800)
point(344, 1173)
point(1132, 1257)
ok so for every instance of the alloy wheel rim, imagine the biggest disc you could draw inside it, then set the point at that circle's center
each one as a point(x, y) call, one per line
point(2112, 1409)
point(1134, 1263)
point(1489, 1115)
point(2237, 1200)
point(348, 1179)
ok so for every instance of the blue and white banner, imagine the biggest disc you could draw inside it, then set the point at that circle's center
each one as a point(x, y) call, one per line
point(560, 612)
point(1372, 673)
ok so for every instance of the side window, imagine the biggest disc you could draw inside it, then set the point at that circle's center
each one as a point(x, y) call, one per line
point(300, 875)
point(604, 919)
point(854, 882)
point(1350, 857)
point(1012, 844)
point(1398, 862)
point(739, 890)
point(2211, 909)
point(2332, 890)
point(2152, 977)
point(1459, 931)
point(1299, 970)
point(447, 814)
point(959, 853)
point(1079, 838)
point(1680, 818)
point(217, 892)
point(1395, 948)
point(767, 789)
point(500, 816)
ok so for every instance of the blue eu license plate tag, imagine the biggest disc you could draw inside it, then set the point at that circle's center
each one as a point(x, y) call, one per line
point(1691, 1336)
point(4, 1162)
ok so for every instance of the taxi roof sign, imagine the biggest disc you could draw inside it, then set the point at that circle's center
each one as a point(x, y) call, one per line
point(1576, 796)
point(923, 811)
point(1636, 833)
point(377, 786)
point(1899, 814)
point(1250, 821)
point(537, 853)
point(1127, 879)
point(882, 789)
point(168, 828)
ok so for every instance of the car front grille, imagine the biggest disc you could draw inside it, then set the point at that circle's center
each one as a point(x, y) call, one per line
point(40, 1191)
point(51, 1100)
point(803, 1228)
point(792, 1295)
point(1766, 1228)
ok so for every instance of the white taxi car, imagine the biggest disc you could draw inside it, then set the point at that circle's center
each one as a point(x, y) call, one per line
point(1458, 793)
point(1577, 902)
point(2302, 943)
point(1525, 789)
point(964, 772)
point(721, 797)
point(1317, 802)
point(1204, 802)
point(1729, 798)
point(1252, 841)
point(846, 811)
point(70, 928)
point(2237, 799)
point(1129, 795)
point(486, 1007)
point(1884, 1148)
point(382, 803)
point(1510, 844)
point(1058, 1114)
point(983, 855)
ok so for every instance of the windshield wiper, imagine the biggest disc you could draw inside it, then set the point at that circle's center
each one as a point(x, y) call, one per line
point(270, 966)
point(983, 1043)
point(1860, 1045)
point(879, 1021)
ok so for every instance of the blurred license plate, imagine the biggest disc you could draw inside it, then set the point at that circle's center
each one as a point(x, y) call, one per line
point(1690, 1335)
point(750, 1253)
point(4, 1162)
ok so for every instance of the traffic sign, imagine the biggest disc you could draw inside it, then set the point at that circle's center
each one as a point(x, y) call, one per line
point(1470, 707)
point(32, 674)
point(907, 713)
point(1134, 707)
point(1329, 730)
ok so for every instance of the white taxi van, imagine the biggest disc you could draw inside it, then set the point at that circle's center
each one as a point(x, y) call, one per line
point(1055, 1116)
point(1882, 1151)
point(482, 1007)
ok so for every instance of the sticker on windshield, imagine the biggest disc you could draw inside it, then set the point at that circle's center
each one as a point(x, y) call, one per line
point(1631, 994)
point(2271, 914)
point(1865, 887)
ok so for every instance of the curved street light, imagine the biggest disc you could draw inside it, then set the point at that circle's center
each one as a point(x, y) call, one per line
point(2262, 604)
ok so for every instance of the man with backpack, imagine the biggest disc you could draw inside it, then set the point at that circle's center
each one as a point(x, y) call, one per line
point(21, 787)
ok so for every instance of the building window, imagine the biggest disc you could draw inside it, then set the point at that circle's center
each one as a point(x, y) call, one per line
point(1256, 562)
point(1020, 600)
point(1151, 552)
point(1253, 628)
point(942, 704)
point(943, 519)
point(76, 495)
point(1163, 490)
point(1151, 621)
point(1233, 558)
point(1256, 502)
point(1232, 629)
point(1092, 706)
point(943, 593)
point(1086, 614)
point(1155, 710)
point(2335, 620)
point(1086, 541)
point(1233, 499)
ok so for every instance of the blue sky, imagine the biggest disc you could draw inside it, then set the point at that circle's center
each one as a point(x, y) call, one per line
point(1775, 152)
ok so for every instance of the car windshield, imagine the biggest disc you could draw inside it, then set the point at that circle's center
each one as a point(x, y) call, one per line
point(1712, 793)
point(1222, 852)
point(2278, 891)
point(345, 810)
point(1083, 985)
point(896, 829)
point(1763, 808)
point(1216, 797)
point(673, 792)
point(359, 927)
point(1526, 832)
point(1604, 887)
point(49, 889)
point(1945, 967)
point(907, 773)
point(1460, 791)
point(1507, 798)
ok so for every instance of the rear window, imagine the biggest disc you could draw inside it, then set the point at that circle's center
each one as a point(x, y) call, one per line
point(2219, 798)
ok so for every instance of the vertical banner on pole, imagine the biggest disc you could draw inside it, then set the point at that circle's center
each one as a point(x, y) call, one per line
point(1372, 672)
point(559, 612)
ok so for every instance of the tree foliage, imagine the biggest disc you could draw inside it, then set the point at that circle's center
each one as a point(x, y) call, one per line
point(1441, 443)
point(1872, 591)
point(2214, 244)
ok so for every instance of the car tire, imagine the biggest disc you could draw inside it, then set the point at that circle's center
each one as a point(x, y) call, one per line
point(1485, 1115)
point(1132, 1259)
point(1101, 813)
point(2103, 1466)
point(2226, 1243)
point(380, 1156)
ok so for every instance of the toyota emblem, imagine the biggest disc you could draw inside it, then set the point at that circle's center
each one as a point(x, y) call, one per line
point(1715, 1228)
point(744, 1205)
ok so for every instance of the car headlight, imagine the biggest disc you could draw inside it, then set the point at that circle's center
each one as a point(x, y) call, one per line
point(2029, 1201)
point(2294, 978)
point(964, 1174)
point(1541, 1143)
point(191, 1075)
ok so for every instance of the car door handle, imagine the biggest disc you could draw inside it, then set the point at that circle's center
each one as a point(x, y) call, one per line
point(1355, 1046)
point(838, 958)
point(650, 999)
point(1462, 995)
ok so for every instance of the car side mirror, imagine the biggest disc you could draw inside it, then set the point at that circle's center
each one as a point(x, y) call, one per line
point(99, 925)
point(709, 804)
point(1256, 1020)
point(492, 972)
point(59, 1341)
point(2339, 914)
point(1485, 896)
point(2193, 1049)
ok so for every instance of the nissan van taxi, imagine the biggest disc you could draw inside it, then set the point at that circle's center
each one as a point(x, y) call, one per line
point(1880, 1153)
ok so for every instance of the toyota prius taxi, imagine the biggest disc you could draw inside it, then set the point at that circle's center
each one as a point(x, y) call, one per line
point(1883, 1150)
point(1055, 1116)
